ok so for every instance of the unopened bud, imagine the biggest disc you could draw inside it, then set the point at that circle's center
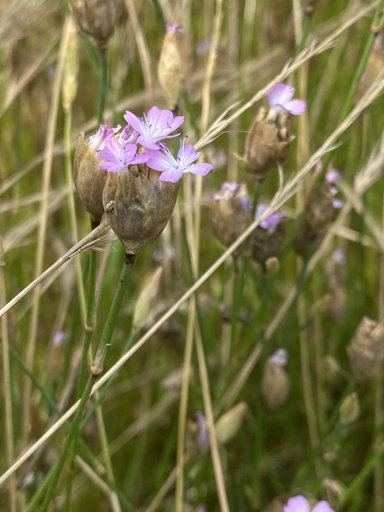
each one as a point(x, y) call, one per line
point(98, 18)
point(71, 68)
point(228, 425)
point(138, 205)
point(146, 299)
point(274, 381)
point(267, 142)
point(349, 409)
point(366, 350)
point(172, 66)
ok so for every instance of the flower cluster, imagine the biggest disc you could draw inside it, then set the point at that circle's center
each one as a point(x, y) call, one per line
point(118, 151)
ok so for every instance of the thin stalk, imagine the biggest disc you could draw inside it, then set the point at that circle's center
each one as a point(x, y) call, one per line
point(8, 409)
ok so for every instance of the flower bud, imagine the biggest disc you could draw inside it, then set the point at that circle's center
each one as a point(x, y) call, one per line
point(366, 350)
point(230, 422)
point(138, 205)
point(89, 179)
point(98, 18)
point(267, 142)
point(349, 409)
point(230, 212)
point(172, 67)
point(275, 381)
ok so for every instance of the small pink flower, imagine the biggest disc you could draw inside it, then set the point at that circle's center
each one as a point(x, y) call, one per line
point(173, 27)
point(104, 133)
point(154, 127)
point(301, 504)
point(280, 97)
point(279, 357)
point(272, 220)
point(171, 168)
point(118, 157)
point(230, 189)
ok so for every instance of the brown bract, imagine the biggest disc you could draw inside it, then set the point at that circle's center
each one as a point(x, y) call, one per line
point(228, 219)
point(89, 180)
point(98, 18)
point(266, 244)
point(138, 205)
point(267, 142)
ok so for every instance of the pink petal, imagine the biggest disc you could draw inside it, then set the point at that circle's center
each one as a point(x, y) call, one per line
point(295, 107)
point(297, 504)
point(322, 506)
point(200, 169)
point(172, 175)
point(280, 94)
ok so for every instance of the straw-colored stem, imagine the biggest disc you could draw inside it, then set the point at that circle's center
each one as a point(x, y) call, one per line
point(7, 392)
point(41, 237)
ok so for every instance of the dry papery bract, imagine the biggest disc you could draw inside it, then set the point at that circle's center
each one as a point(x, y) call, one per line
point(267, 142)
point(138, 205)
point(98, 18)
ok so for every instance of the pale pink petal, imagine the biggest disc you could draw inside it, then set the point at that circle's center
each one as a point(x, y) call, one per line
point(322, 506)
point(172, 175)
point(297, 504)
point(280, 94)
point(295, 107)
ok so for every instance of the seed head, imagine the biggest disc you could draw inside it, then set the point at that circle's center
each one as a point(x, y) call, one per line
point(98, 18)
point(138, 205)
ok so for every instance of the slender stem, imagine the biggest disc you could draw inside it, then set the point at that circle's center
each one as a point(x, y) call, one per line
point(103, 77)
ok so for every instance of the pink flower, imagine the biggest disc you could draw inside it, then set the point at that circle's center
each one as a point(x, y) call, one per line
point(280, 97)
point(117, 157)
point(173, 27)
point(272, 220)
point(154, 127)
point(230, 189)
point(103, 134)
point(171, 168)
point(301, 504)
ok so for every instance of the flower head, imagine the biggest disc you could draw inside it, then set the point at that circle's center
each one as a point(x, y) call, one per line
point(280, 97)
point(272, 221)
point(301, 504)
point(154, 127)
point(171, 168)
point(118, 157)
point(103, 134)
point(279, 357)
point(173, 27)
point(231, 189)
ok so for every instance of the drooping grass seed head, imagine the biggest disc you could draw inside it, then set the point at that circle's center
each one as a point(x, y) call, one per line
point(230, 212)
point(172, 65)
point(98, 18)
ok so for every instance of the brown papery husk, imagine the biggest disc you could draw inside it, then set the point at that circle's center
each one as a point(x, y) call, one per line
point(138, 205)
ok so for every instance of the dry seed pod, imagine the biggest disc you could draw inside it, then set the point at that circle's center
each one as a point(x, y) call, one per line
point(172, 66)
point(230, 212)
point(138, 205)
point(335, 270)
point(267, 142)
point(366, 350)
point(98, 18)
point(89, 179)
point(275, 381)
